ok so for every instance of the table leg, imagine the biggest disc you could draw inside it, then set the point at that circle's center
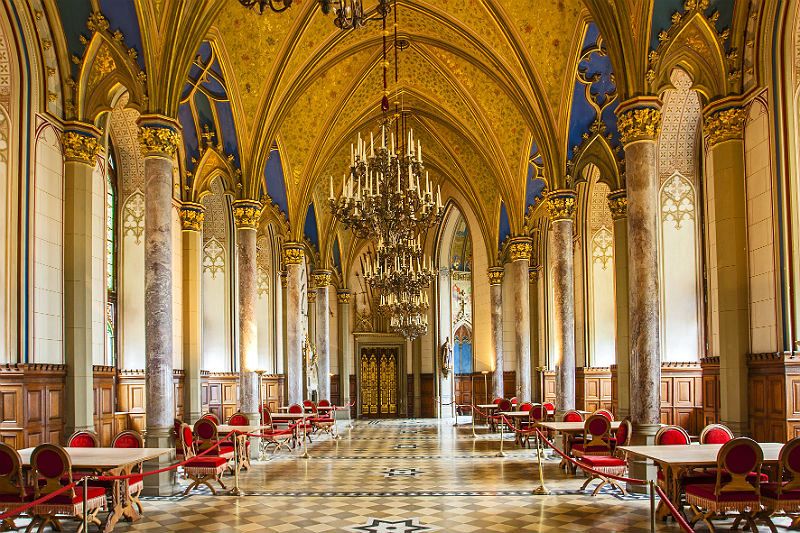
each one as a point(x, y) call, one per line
point(121, 504)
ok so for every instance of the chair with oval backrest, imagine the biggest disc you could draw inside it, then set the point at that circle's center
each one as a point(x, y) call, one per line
point(492, 416)
point(504, 405)
point(201, 470)
point(526, 406)
point(606, 413)
point(271, 435)
point(240, 419)
point(132, 439)
point(296, 408)
point(207, 435)
point(734, 493)
point(211, 416)
point(597, 439)
point(52, 471)
point(715, 434)
point(784, 496)
point(13, 491)
point(324, 403)
point(604, 466)
point(550, 411)
point(83, 439)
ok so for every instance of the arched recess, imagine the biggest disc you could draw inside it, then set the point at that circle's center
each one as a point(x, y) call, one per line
point(680, 245)
point(9, 78)
point(266, 294)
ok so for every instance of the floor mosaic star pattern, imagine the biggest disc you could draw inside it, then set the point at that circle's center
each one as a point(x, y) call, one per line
point(464, 488)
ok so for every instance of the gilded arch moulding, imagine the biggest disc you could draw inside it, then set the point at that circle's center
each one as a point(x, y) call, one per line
point(595, 149)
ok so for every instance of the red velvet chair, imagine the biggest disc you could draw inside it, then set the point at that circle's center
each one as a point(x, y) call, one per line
point(715, 434)
point(83, 439)
point(205, 431)
point(572, 416)
point(738, 458)
point(784, 496)
point(493, 418)
point(240, 419)
point(597, 440)
point(211, 416)
point(13, 491)
point(272, 435)
point(324, 403)
point(51, 471)
point(549, 407)
point(606, 413)
point(201, 470)
point(671, 435)
point(296, 408)
point(132, 439)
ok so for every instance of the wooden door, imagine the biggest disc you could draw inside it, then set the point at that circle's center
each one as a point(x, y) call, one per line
point(378, 382)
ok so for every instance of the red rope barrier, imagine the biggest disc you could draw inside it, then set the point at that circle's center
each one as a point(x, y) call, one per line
point(673, 511)
point(21, 509)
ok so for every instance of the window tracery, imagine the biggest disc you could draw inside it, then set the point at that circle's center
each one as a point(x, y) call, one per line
point(677, 200)
point(213, 258)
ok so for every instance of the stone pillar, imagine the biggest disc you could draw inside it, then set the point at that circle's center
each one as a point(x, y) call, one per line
point(192, 216)
point(496, 310)
point(726, 168)
point(520, 250)
point(416, 369)
point(446, 382)
point(284, 353)
point(322, 280)
point(246, 214)
point(536, 363)
point(618, 204)
point(293, 259)
point(562, 205)
point(344, 296)
point(80, 147)
point(159, 140)
point(639, 130)
point(311, 315)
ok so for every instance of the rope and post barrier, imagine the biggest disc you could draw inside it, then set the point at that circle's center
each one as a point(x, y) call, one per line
point(236, 491)
point(85, 514)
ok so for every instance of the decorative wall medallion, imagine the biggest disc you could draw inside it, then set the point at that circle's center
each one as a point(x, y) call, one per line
point(377, 525)
point(213, 258)
point(603, 248)
point(401, 472)
point(133, 216)
point(677, 200)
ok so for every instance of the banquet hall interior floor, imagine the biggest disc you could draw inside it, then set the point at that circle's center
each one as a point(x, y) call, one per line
point(413, 475)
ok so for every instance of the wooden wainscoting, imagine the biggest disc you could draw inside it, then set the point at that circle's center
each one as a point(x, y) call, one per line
point(104, 403)
point(220, 393)
point(614, 391)
point(592, 388)
point(710, 370)
point(272, 390)
point(132, 399)
point(32, 404)
point(682, 396)
point(774, 396)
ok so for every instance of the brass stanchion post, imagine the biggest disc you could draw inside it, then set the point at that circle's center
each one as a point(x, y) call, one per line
point(305, 430)
point(541, 489)
point(85, 510)
point(652, 506)
point(500, 453)
point(472, 416)
point(237, 449)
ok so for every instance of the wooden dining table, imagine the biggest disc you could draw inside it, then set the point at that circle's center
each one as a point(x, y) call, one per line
point(676, 460)
point(109, 462)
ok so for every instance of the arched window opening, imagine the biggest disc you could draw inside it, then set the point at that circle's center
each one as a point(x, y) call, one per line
point(460, 259)
point(601, 308)
point(111, 258)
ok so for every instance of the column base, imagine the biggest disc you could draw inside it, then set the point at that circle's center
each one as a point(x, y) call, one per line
point(739, 428)
point(162, 484)
point(643, 435)
point(255, 442)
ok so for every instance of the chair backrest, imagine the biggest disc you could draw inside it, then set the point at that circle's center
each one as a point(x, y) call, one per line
point(606, 413)
point(52, 470)
point(83, 439)
point(505, 405)
point(295, 408)
point(128, 439)
point(514, 400)
point(238, 419)
point(11, 480)
point(187, 441)
point(266, 415)
point(597, 431)
point(537, 413)
point(715, 434)
point(738, 458)
point(176, 427)
point(526, 406)
point(206, 432)
point(549, 406)
point(572, 416)
point(211, 416)
point(324, 403)
point(789, 463)
point(623, 434)
point(497, 401)
point(311, 405)
point(671, 435)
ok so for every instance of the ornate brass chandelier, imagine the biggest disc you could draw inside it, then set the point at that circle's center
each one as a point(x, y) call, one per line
point(277, 6)
point(350, 14)
point(409, 326)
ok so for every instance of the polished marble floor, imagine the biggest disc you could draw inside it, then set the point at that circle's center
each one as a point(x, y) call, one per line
point(401, 476)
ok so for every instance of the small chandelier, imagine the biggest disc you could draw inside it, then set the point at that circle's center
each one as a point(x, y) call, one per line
point(409, 326)
point(399, 267)
point(277, 6)
point(350, 14)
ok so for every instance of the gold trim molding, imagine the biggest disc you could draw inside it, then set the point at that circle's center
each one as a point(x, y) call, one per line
point(618, 204)
point(192, 216)
point(322, 278)
point(495, 275)
point(80, 147)
point(158, 141)
point(520, 249)
point(643, 124)
point(312, 296)
point(726, 125)
point(246, 214)
point(561, 205)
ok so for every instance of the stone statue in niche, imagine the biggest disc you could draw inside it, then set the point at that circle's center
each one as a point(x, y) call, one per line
point(446, 357)
point(310, 352)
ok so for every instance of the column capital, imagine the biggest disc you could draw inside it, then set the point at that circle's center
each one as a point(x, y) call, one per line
point(80, 143)
point(344, 296)
point(618, 204)
point(292, 253)
point(284, 279)
point(312, 295)
point(158, 137)
point(495, 275)
point(725, 125)
point(322, 278)
point(533, 274)
point(520, 249)
point(639, 120)
point(246, 214)
point(561, 204)
point(192, 216)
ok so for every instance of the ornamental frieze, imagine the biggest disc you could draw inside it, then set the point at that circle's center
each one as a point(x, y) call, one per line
point(724, 125)
point(192, 217)
point(639, 125)
point(155, 140)
point(246, 214)
point(80, 147)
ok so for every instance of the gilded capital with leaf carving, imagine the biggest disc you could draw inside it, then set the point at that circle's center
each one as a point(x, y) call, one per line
point(322, 278)
point(80, 147)
point(292, 254)
point(312, 296)
point(618, 204)
point(246, 214)
point(561, 205)
point(533, 275)
point(344, 296)
point(158, 141)
point(726, 125)
point(495, 275)
point(520, 249)
point(192, 217)
point(643, 124)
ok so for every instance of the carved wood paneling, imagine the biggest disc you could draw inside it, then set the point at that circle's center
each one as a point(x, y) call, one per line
point(31, 404)
point(774, 396)
point(682, 396)
point(592, 388)
point(711, 399)
point(104, 403)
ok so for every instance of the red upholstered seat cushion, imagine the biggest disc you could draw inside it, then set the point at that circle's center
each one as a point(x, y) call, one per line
point(65, 499)
point(127, 441)
point(206, 461)
point(672, 436)
point(770, 490)
point(600, 461)
point(706, 491)
point(15, 498)
point(277, 432)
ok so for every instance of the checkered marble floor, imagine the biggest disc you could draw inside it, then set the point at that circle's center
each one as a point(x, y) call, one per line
point(401, 476)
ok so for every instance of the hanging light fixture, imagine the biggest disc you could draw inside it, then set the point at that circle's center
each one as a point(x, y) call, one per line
point(350, 14)
point(277, 6)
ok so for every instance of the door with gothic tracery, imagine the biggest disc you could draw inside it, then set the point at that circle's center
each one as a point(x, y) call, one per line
point(378, 382)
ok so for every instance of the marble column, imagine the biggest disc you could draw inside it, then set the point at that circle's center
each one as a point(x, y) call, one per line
point(536, 363)
point(562, 205)
point(639, 130)
point(496, 312)
point(192, 216)
point(159, 140)
point(322, 280)
point(246, 214)
point(618, 204)
point(726, 171)
point(520, 250)
point(284, 353)
point(81, 147)
point(293, 261)
point(344, 297)
point(311, 315)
